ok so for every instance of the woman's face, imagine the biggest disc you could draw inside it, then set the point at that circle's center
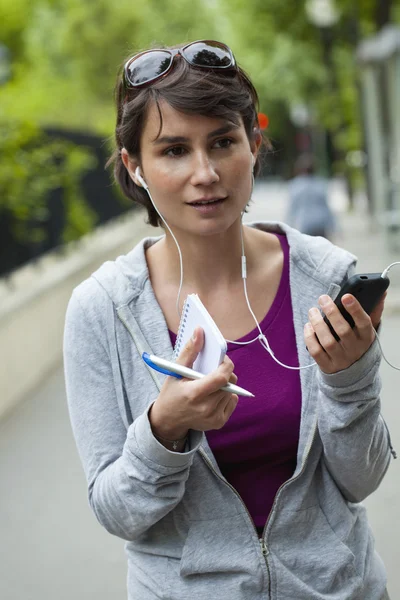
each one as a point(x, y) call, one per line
point(198, 169)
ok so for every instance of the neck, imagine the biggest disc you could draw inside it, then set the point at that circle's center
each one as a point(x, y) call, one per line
point(209, 262)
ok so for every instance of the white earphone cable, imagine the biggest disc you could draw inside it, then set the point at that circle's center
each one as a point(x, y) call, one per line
point(262, 338)
point(386, 271)
point(383, 355)
point(146, 187)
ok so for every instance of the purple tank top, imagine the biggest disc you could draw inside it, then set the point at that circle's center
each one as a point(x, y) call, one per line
point(256, 449)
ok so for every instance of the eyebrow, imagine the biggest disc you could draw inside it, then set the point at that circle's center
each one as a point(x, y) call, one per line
point(171, 139)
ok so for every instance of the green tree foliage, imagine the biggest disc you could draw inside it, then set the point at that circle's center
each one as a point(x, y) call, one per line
point(65, 55)
point(14, 20)
point(293, 62)
point(65, 71)
point(31, 166)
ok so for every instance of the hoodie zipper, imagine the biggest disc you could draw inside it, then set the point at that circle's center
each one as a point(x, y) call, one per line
point(263, 546)
point(262, 540)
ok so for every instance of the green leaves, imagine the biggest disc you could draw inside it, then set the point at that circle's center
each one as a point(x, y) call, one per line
point(65, 55)
point(31, 166)
point(292, 62)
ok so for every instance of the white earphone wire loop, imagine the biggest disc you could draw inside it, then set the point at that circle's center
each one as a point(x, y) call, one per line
point(383, 355)
point(384, 274)
point(261, 337)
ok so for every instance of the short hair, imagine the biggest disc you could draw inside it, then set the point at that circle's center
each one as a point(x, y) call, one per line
point(211, 93)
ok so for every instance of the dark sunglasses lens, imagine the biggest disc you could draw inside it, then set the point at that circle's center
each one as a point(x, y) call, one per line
point(148, 66)
point(208, 54)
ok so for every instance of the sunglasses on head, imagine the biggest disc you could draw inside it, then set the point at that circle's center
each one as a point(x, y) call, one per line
point(151, 65)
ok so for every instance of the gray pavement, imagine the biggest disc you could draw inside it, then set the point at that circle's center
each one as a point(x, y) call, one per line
point(52, 547)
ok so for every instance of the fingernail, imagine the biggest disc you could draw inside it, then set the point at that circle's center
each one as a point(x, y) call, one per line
point(323, 300)
point(194, 336)
point(348, 300)
point(308, 328)
point(313, 312)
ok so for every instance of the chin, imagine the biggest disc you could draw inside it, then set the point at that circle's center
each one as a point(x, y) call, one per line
point(210, 227)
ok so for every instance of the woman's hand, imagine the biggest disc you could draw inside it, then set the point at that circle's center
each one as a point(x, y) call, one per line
point(331, 355)
point(185, 404)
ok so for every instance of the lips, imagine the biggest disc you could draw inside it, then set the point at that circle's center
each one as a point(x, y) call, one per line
point(205, 201)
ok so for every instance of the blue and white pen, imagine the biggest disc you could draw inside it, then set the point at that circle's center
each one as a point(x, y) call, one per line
point(170, 368)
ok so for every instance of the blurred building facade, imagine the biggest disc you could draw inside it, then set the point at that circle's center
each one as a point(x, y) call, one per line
point(379, 59)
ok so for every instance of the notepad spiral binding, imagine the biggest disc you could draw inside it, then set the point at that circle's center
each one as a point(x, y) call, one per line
point(182, 325)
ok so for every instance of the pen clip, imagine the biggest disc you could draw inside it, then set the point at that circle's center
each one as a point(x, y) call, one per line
point(148, 361)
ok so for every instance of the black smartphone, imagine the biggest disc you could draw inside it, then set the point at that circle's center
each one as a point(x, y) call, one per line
point(367, 288)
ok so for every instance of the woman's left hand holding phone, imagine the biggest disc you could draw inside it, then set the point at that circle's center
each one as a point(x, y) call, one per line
point(185, 404)
point(332, 355)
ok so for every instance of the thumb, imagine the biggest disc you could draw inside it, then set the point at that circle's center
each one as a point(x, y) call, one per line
point(191, 349)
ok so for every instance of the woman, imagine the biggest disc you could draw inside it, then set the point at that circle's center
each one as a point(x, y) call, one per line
point(220, 497)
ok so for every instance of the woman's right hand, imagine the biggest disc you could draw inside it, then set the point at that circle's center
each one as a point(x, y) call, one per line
point(200, 404)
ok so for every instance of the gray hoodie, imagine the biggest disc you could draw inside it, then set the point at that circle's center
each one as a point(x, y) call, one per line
point(189, 534)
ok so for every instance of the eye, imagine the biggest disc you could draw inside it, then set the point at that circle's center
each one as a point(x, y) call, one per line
point(223, 143)
point(175, 151)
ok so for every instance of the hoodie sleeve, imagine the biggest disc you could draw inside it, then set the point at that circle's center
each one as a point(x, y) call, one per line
point(354, 435)
point(133, 481)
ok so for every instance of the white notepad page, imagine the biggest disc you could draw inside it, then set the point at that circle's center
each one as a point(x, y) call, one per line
point(195, 314)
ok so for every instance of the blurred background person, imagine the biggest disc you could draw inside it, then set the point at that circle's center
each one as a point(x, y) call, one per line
point(308, 208)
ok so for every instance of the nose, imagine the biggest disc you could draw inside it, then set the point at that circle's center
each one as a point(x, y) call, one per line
point(203, 171)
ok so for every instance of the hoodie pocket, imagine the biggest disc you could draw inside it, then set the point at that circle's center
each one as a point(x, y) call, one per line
point(311, 559)
point(219, 546)
point(221, 559)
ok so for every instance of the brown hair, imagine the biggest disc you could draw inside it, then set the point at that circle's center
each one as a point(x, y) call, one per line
point(205, 92)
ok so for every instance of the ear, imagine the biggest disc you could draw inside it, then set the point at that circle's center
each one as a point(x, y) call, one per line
point(131, 165)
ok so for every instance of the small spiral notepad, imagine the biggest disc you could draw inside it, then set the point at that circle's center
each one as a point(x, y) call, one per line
point(195, 314)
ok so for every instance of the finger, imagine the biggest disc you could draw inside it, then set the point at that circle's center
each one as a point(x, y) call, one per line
point(233, 378)
point(213, 387)
point(191, 349)
point(361, 319)
point(315, 349)
point(213, 382)
point(230, 406)
point(220, 399)
point(221, 412)
point(226, 366)
point(322, 331)
point(337, 321)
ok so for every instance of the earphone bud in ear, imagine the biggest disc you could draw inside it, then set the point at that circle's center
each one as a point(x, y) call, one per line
point(253, 160)
point(140, 178)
